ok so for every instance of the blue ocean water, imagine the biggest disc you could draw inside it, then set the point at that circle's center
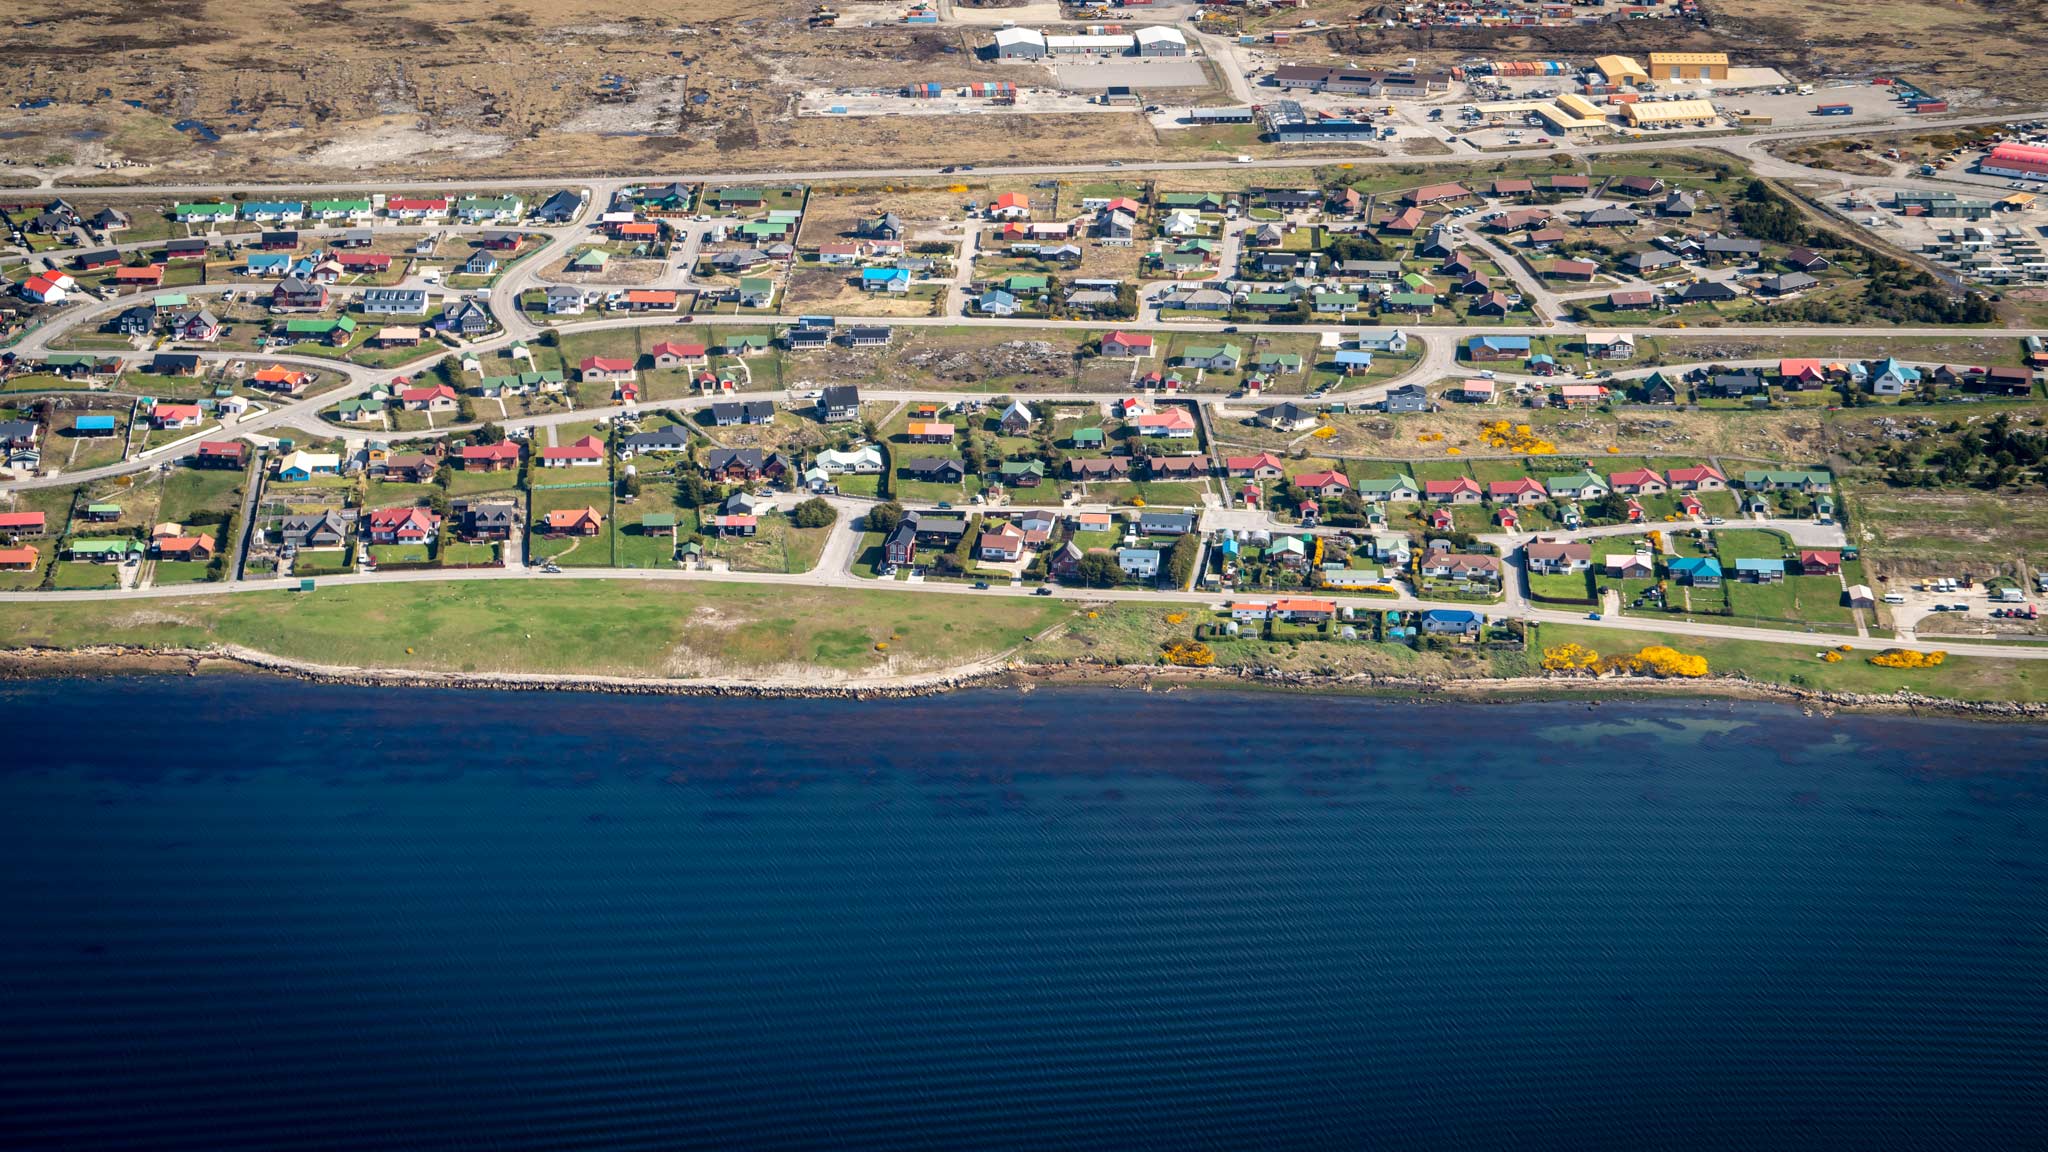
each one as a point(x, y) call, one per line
point(255, 914)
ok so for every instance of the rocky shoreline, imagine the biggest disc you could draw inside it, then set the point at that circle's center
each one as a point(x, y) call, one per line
point(24, 663)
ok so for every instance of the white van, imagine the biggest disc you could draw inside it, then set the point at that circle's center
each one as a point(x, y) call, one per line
point(1895, 597)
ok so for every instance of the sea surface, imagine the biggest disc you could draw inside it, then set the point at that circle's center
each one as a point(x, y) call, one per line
point(241, 913)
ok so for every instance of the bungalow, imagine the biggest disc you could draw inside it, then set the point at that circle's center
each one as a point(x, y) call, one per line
point(403, 525)
point(731, 413)
point(1649, 261)
point(278, 378)
point(605, 368)
point(1212, 357)
point(301, 466)
point(1387, 490)
point(1638, 482)
point(574, 522)
point(1132, 344)
point(326, 529)
point(174, 415)
point(398, 336)
point(1800, 374)
point(865, 460)
point(1324, 485)
point(19, 525)
point(1696, 571)
point(1707, 292)
point(669, 438)
point(649, 300)
point(139, 276)
point(1575, 486)
point(1731, 248)
point(489, 457)
point(1814, 562)
point(929, 432)
point(1704, 478)
point(1496, 348)
point(1631, 566)
point(1002, 544)
point(582, 452)
point(22, 559)
point(937, 470)
point(744, 464)
point(430, 398)
point(1021, 473)
point(1760, 571)
point(1463, 567)
point(1521, 490)
point(1264, 466)
point(1788, 284)
point(1786, 481)
point(1580, 395)
point(1551, 557)
point(1629, 301)
point(175, 364)
point(1458, 622)
point(219, 454)
point(1571, 270)
point(360, 262)
point(1172, 423)
point(1097, 467)
point(1732, 385)
point(1010, 206)
point(1461, 490)
point(1435, 194)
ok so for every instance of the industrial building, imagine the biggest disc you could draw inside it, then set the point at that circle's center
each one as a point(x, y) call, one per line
point(1030, 44)
point(1317, 78)
point(1621, 70)
point(1569, 115)
point(1671, 113)
point(1287, 123)
point(2019, 161)
point(1689, 65)
point(1240, 114)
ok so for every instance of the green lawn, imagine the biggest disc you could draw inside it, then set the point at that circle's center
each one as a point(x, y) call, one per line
point(187, 490)
point(78, 574)
point(179, 572)
point(1561, 587)
point(401, 553)
point(464, 483)
point(460, 554)
point(617, 627)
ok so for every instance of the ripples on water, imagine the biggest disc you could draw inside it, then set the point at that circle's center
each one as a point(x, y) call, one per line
point(253, 914)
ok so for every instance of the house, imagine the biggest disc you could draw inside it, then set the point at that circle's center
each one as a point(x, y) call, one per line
point(403, 525)
point(865, 460)
point(1264, 466)
point(868, 336)
point(165, 415)
point(22, 524)
point(175, 363)
point(278, 378)
point(1021, 473)
point(731, 413)
point(139, 320)
point(1521, 490)
point(1154, 523)
point(301, 466)
point(1760, 571)
point(1580, 395)
point(838, 403)
point(1575, 486)
point(193, 325)
point(1138, 563)
point(1550, 557)
point(1172, 423)
point(1815, 562)
point(1323, 485)
point(929, 432)
point(1609, 345)
point(481, 262)
point(937, 470)
point(488, 457)
point(1786, 481)
point(899, 549)
point(1461, 490)
point(1788, 284)
point(1630, 301)
point(574, 522)
point(1731, 248)
point(1464, 567)
point(1496, 348)
point(1630, 566)
point(1732, 385)
point(1133, 344)
point(744, 464)
point(220, 454)
point(735, 524)
point(1406, 398)
point(582, 452)
point(604, 368)
point(1637, 482)
point(1696, 571)
point(1388, 490)
point(669, 438)
point(1010, 206)
point(1002, 544)
point(431, 398)
point(1016, 419)
point(1571, 270)
point(22, 559)
point(298, 294)
point(561, 208)
point(563, 300)
point(325, 529)
point(1891, 377)
point(996, 302)
point(1704, 478)
point(1798, 374)
point(1212, 357)
point(469, 317)
point(1451, 622)
point(649, 300)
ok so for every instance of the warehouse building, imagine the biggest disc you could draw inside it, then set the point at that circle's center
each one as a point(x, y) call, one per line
point(1671, 113)
point(2019, 161)
point(1161, 42)
point(1288, 123)
point(1316, 78)
point(1020, 44)
point(1689, 65)
point(1621, 70)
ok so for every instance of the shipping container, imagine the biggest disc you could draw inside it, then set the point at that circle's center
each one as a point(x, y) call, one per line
point(1930, 106)
point(923, 90)
point(1835, 110)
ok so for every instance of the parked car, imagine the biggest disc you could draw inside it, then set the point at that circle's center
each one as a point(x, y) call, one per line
point(981, 585)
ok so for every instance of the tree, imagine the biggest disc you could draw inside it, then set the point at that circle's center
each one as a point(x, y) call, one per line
point(629, 486)
point(884, 517)
point(1180, 562)
point(813, 513)
point(1099, 570)
point(487, 433)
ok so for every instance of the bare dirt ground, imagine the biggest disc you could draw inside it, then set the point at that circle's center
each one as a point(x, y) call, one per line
point(466, 87)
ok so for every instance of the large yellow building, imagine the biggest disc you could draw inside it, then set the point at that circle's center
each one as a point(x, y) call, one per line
point(1689, 65)
point(1670, 113)
point(1621, 70)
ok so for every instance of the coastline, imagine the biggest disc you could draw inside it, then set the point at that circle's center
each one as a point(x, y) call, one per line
point(995, 673)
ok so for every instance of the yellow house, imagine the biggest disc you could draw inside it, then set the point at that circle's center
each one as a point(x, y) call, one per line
point(1689, 65)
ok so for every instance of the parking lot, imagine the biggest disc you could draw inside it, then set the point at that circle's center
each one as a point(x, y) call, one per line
point(1131, 73)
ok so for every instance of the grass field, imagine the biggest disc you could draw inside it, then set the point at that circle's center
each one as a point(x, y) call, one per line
point(614, 627)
